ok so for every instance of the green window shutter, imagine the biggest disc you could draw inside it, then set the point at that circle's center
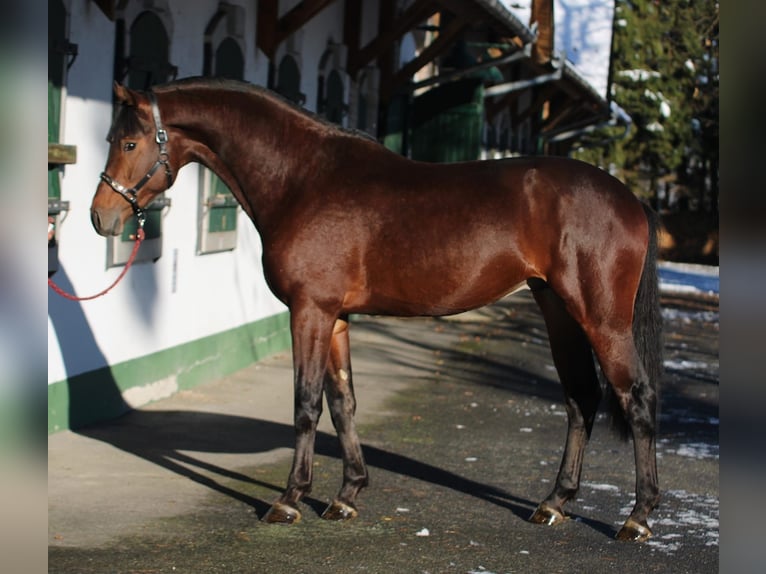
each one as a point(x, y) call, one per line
point(223, 207)
point(54, 119)
point(447, 122)
point(396, 124)
point(152, 227)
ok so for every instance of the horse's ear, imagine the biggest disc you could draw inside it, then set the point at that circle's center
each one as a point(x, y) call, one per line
point(124, 95)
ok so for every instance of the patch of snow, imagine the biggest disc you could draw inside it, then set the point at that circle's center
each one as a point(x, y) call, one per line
point(638, 75)
point(604, 487)
point(688, 277)
point(686, 365)
point(699, 450)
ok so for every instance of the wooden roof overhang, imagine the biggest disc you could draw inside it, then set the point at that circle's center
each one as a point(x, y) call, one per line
point(569, 100)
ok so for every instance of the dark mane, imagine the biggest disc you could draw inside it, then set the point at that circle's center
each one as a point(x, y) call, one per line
point(208, 83)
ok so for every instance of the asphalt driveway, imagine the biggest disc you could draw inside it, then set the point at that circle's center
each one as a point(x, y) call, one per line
point(463, 426)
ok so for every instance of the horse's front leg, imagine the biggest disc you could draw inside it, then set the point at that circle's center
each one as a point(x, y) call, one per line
point(339, 391)
point(311, 330)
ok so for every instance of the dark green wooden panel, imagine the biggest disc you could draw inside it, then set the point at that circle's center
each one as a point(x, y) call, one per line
point(447, 122)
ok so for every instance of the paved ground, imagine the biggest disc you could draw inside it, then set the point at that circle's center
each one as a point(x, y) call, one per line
point(463, 427)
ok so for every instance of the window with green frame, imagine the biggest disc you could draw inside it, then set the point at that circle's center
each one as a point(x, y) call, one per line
point(229, 63)
point(147, 64)
point(219, 209)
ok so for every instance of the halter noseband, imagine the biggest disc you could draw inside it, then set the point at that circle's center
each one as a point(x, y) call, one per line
point(131, 194)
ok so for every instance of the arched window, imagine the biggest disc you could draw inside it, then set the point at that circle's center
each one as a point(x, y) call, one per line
point(363, 102)
point(148, 59)
point(289, 80)
point(229, 61)
point(142, 61)
point(334, 106)
point(330, 86)
point(218, 209)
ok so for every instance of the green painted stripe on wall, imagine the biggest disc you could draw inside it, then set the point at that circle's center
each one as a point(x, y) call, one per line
point(101, 394)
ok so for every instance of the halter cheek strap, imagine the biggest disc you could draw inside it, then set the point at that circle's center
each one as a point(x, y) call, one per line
point(131, 193)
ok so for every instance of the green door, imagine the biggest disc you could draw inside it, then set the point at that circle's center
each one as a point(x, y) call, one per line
point(447, 122)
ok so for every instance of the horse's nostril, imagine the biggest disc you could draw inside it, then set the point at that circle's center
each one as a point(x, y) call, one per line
point(96, 221)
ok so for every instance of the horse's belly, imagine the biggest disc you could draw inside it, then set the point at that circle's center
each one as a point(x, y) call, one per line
point(432, 295)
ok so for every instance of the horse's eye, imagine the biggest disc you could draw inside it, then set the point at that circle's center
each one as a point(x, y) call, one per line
point(129, 146)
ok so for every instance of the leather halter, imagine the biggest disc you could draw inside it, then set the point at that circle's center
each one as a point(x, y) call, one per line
point(131, 193)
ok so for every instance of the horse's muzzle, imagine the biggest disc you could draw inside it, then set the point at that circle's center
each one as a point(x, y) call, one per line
point(106, 224)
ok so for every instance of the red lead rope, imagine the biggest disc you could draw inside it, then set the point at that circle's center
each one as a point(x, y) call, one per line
point(136, 245)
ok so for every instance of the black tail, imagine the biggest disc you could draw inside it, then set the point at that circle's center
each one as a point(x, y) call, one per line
point(647, 326)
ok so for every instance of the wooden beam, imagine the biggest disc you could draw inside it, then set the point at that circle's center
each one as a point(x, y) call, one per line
point(543, 95)
point(385, 63)
point(443, 42)
point(352, 27)
point(560, 115)
point(61, 153)
point(266, 28)
point(297, 17)
point(444, 77)
point(272, 30)
point(108, 7)
point(415, 13)
point(542, 13)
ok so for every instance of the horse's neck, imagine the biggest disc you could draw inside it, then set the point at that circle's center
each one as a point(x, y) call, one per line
point(251, 145)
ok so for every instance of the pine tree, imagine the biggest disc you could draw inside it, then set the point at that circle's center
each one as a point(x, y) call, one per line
point(664, 74)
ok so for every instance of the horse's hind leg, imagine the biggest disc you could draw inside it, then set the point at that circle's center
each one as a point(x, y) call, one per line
point(637, 396)
point(339, 392)
point(574, 362)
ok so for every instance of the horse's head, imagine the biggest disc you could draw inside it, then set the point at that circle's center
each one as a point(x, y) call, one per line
point(138, 166)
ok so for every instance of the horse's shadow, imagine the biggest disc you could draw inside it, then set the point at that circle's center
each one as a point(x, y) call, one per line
point(165, 437)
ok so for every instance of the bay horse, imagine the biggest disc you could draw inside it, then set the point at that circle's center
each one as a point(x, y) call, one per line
point(348, 226)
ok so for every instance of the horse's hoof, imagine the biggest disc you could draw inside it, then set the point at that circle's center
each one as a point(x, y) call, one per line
point(546, 514)
point(633, 531)
point(281, 513)
point(339, 511)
